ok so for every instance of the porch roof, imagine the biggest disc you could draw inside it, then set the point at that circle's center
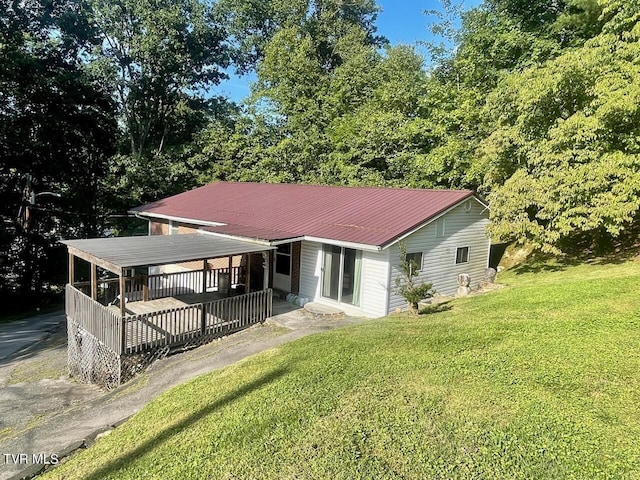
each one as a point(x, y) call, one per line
point(117, 253)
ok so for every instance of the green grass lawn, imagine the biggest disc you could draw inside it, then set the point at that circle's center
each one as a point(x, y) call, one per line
point(538, 380)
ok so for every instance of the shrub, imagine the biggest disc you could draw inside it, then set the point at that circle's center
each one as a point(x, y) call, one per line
point(406, 284)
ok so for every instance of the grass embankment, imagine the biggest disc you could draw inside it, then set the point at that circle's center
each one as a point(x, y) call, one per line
point(537, 381)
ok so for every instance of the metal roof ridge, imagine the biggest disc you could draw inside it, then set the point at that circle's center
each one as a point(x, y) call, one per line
point(353, 187)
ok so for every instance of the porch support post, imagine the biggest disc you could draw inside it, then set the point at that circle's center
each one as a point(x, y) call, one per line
point(145, 288)
point(94, 281)
point(265, 270)
point(72, 271)
point(205, 265)
point(248, 289)
point(122, 303)
point(203, 318)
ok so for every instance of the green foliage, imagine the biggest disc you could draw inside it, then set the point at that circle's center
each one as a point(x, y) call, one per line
point(311, 60)
point(567, 133)
point(158, 61)
point(57, 131)
point(531, 381)
point(358, 123)
point(253, 24)
point(535, 106)
point(155, 57)
point(84, 80)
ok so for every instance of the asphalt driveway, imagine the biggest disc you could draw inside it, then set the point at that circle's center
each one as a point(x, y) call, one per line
point(21, 334)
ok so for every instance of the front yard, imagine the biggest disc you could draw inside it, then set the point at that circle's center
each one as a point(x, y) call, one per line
point(537, 380)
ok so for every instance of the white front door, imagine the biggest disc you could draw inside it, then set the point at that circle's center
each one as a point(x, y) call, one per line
point(282, 270)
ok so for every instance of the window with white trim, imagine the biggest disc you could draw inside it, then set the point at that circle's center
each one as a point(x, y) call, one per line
point(462, 255)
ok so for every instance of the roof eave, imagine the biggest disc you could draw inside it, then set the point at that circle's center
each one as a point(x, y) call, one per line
point(261, 241)
point(152, 215)
point(342, 243)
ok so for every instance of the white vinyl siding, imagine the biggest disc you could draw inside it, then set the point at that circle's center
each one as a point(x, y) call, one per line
point(462, 228)
point(310, 269)
point(375, 272)
point(373, 294)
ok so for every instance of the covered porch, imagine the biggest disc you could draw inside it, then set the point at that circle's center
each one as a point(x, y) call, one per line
point(126, 310)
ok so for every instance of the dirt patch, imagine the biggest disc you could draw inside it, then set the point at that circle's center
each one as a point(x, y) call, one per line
point(514, 255)
point(486, 287)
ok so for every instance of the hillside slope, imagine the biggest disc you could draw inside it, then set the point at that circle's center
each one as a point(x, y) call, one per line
point(538, 380)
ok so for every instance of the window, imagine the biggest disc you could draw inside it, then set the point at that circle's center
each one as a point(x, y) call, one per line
point(173, 228)
point(462, 255)
point(416, 258)
point(440, 227)
point(283, 259)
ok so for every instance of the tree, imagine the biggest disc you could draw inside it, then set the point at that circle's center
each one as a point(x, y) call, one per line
point(563, 162)
point(159, 59)
point(380, 131)
point(495, 40)
point(254, 23)
point(57, 130)
point(156, 55)
point(406, 284)
point(330, 105)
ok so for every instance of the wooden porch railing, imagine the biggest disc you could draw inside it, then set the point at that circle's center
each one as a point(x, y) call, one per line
point(98, 320)
point(177, 326)
point(213, 276)
point(171, 327)
point(161, 285)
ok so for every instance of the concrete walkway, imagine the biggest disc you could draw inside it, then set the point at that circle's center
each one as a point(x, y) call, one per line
point(87, 411)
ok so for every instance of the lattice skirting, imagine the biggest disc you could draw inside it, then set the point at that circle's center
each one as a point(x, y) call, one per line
point(134, 363)
point(89, 360)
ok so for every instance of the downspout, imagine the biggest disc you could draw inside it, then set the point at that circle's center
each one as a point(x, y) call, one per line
point(137, 215)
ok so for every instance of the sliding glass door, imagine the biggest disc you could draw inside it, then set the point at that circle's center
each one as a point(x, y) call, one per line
point(341, 274)
point(331, 272)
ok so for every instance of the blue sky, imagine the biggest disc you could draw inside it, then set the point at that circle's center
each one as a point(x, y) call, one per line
point(401, 21)
point(404, 21)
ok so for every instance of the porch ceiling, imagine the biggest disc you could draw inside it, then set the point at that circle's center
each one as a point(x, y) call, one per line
point(126, 252)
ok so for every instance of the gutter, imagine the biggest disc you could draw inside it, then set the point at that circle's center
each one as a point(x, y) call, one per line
point(149, 217)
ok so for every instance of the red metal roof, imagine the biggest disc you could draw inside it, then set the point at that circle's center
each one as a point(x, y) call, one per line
point(269, 211)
